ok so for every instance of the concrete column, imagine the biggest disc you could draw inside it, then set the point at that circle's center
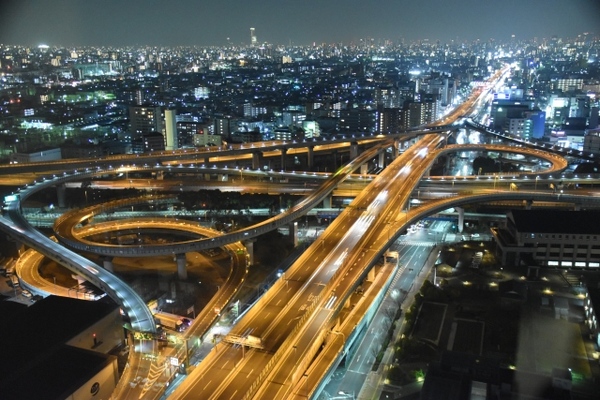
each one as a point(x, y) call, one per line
point(528, 204)
point(293, 233)
point(396, 149)
point(223, 177)
point(381, 160)
point(181, 266)
point(173, 287)
point(327, 202)
point(108, 264)
point(61, 193)
point(348, 303)
point(310, 157)
point(461, 219)
point(371, 275)
point(159, 175)
point(283, 158)
point(364, 169)
point(250, 250)
point(256, 160)
point(353, 150)
point(447, 166)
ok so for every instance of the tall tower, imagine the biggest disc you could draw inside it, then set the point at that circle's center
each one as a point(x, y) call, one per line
point(252, 37)
point(171, 130)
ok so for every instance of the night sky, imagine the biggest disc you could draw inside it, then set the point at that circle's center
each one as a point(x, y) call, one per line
point(300, 22)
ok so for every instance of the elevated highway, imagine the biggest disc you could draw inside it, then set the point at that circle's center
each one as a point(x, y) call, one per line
point(280, 318)
point(208, 156)
point(142, 320)
point(291, 214)
point(359, 228)
point(543, 147)
point(14, 224)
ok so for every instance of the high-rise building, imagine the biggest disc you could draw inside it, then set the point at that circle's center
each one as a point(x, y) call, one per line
point(417, 113)
point(594, 121)
point(223, 127)
point(357, 120)
point(529, 126)
point(171, 130)
point(144, 119)
point(154, 141)
point(389, 120)
point(252, 37)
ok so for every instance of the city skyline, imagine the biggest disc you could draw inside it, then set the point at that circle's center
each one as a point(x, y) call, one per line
point(187, 23)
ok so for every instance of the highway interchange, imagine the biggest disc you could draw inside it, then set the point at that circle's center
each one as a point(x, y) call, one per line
point(301, 308)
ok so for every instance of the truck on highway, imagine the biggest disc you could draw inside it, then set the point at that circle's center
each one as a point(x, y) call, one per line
point(172, 321)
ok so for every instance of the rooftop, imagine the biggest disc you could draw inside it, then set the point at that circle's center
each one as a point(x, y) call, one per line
point(556, 221)
point(39, 331)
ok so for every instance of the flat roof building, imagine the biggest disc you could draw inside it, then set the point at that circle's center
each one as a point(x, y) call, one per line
point(550, 238)
point(58, 348)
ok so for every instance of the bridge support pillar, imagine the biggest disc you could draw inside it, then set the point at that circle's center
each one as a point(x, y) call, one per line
point(250, 250)
point(327, 202)
point(223, 177)
point(381, 160)
point(528, 204)
point(107, 263)
point(293, 233)
point(159, 176)
point(396, 149)
point(353, 150)
point(461, 219)
point(348, 303)
point(310, 157)
point(61, 194)
point(371, 275)
point(364, 169)
point(256, 160)
point(181, 266)
point(283, 158)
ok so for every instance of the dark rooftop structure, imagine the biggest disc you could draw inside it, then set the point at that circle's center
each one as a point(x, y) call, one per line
point(35, 362)
point(461, 376)
point(556, 221)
